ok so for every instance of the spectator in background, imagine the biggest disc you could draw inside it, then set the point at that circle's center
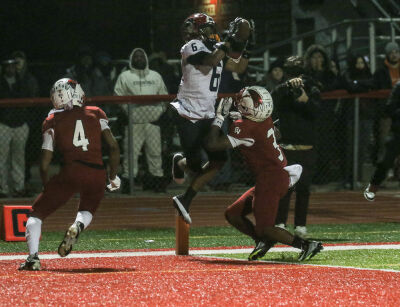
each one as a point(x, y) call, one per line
point(81, 71)
point(274, 76)
point(103, 75)
point(158, 62)
point(14, 132)
point(140, 80)
point(318, 67)
point(358, 79)
point(296, 103)
point(103, 78)
point(385, 77)
point(30, 88)
point(171, 77)
point(392, 144)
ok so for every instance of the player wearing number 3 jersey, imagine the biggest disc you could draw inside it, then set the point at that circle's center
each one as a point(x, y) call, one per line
point(254, 135)
point(203, 58)
point(78, 132)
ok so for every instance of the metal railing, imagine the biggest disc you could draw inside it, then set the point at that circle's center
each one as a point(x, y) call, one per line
point(335, 29)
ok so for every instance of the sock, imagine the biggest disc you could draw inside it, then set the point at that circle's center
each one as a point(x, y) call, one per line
point(299, 242)
point(32, 234)
point(85, 217)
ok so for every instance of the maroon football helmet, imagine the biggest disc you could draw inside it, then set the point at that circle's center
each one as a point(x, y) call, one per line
point(199, 26)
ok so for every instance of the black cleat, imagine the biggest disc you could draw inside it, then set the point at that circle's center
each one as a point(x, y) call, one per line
point(260, 250)
point(70, 238)
point(177, 174)
point(312, 248)
point(182, 207)
point(32, 263)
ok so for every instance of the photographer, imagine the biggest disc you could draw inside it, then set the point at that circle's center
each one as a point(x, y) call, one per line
point(296, 103)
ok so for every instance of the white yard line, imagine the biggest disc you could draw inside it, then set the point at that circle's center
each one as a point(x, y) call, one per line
point(198, 252)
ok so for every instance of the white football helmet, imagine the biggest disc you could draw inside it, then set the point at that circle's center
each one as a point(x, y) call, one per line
point(67, 93)
point(254, 103)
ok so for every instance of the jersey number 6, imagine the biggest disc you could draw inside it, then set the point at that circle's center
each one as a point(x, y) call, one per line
point(79, 136)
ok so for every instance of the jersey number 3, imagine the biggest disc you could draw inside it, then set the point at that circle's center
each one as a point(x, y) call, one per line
point(274, 143)
point(79, 136)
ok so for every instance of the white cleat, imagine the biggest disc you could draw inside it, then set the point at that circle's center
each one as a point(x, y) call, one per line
point(370, 196)
point(181, 209)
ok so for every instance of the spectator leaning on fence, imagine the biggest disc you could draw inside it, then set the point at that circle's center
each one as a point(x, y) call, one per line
point(13, 132)
point(140, 80)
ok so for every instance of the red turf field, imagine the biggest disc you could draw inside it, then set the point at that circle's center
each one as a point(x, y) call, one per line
point(193, 281)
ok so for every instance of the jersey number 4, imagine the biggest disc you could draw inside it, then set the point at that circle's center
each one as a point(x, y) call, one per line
point(274, 143)
point(79, 136)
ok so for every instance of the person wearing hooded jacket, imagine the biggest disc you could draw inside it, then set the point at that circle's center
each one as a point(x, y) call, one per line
point(140, 80)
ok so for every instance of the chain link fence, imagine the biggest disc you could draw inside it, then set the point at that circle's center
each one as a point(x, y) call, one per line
point(350, 135)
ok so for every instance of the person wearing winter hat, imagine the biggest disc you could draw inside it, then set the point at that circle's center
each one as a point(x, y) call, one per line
point(388, 74)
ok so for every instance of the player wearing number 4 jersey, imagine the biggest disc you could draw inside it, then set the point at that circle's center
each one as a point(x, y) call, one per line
point(254, 135)
point(203, 58)
point(78, 132)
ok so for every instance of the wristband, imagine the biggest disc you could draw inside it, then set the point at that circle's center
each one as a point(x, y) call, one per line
point(218, 122)
point(246, 54)
point(222, 47)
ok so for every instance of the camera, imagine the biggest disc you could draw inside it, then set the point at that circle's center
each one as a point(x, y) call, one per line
point(310, 87)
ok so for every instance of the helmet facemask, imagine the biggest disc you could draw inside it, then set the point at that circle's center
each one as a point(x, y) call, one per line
point(200, 26)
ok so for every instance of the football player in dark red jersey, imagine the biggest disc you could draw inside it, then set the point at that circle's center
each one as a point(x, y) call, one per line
point(254, 135)
point(78, 132)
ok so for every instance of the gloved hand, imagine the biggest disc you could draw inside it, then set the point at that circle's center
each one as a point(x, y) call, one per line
point(234, 115)
point(222, 111)
point(233, 28)
point(114, 185)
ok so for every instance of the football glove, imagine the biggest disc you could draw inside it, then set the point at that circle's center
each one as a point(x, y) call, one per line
point(233, 28)
point(222, 111)
point(114, 185)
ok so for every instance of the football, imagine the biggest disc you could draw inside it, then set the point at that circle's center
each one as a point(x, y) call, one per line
point(243, 31)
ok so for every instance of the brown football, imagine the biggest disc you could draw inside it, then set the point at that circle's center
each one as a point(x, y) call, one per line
point(243, 32)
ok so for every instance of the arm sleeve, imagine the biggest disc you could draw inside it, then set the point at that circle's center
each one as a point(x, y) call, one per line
point(103, 120)
point(48, 139)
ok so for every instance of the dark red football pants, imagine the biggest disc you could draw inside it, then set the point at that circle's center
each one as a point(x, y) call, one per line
point(269, 189)
point(73, 178)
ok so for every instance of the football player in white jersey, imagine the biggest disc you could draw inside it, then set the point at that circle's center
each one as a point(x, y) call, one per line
point(203, 58)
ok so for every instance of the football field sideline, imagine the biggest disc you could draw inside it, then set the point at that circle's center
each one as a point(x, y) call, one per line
point(200, 251)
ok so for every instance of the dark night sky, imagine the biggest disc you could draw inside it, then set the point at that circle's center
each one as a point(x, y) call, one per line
point(54, 30)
